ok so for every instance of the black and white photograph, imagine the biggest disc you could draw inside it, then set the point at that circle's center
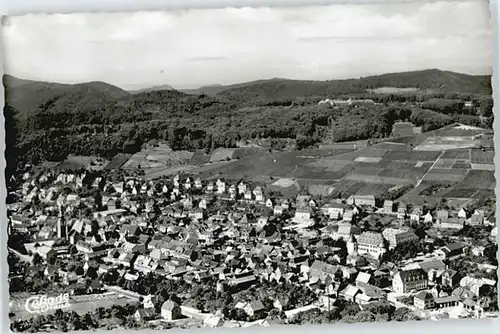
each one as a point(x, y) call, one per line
point(250, 166)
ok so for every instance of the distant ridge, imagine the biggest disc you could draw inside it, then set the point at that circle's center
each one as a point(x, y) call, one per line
point(29, 95)
point(151, 89)
point(435, 79)
point(217, 88)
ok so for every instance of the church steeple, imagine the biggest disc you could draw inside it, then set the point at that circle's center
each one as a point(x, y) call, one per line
point(352, 246)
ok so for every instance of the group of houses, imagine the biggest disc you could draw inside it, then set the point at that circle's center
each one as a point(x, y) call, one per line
point(238, 236)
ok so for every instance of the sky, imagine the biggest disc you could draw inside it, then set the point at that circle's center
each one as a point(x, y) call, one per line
point(193, 48)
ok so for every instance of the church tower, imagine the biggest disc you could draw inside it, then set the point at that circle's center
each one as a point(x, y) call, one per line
point(352, 246)
point(59, 228)
point(62, 228)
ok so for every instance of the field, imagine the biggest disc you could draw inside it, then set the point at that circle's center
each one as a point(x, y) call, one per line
point(118, 161)
point(460, 131)
point(392, 146)
point(318, 189)
point(461, 164)
point(457, 154)
point(153, 173)
point(414, 196)
point(414, 156)
point(199, 158)
point(331, 164)
point(353, 187)
point(446, 143)
point(158, 156)
point(285, 183)
point(374, 188)
point(272, 165)
point(362, 170)
point(368, 169)
point(244, 152)
point(461, 193)
point(282, 164)
point(74, 162)
point(392, 90)
point(79, 304)
point(407, 173)
point(485, 193)
point(483, 167)
point(222, 154)
point(482, 157)
point(445, 163)
point(445, 175)
point(478, 179)
point(371, 155)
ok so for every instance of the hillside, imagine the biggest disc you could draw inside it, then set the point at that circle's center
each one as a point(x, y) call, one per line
point(215, 89)
point(29, 95)
point(95, 118)
point(434, 80)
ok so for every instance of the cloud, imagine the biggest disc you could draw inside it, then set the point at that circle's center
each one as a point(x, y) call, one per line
point(202, 47)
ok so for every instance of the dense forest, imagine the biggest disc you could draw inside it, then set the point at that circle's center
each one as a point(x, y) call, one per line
point(48, 121)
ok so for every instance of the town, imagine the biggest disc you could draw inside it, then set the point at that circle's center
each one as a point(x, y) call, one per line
point(181, 251)
point(185, 168)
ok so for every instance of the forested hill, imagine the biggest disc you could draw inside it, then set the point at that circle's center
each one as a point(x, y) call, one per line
point(151, 89)
point(434, 80)
point(30, 95)
point(51, 120)
point(27, 95)
point(445, 81)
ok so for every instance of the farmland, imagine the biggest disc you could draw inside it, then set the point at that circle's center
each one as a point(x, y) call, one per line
point(478, 179)
point(331, 164)
point(457, 154)
point(412, 156)
point(80, 304)
point(445, 175)
point(74, 162)
point(392, 90)
point(461, 193)
point(340, 168)
point(199, 158)
point(446, 143)
point(222, 154)
point(461, 164)
point(482, 157)
point(118, 161)
point(352, 187)
point(158, 156)
point(372, 155)
point(445, 163)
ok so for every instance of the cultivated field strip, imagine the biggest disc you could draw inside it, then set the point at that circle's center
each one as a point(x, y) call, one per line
point(482, 157)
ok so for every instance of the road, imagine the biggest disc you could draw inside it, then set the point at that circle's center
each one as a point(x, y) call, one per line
point(434, 164)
